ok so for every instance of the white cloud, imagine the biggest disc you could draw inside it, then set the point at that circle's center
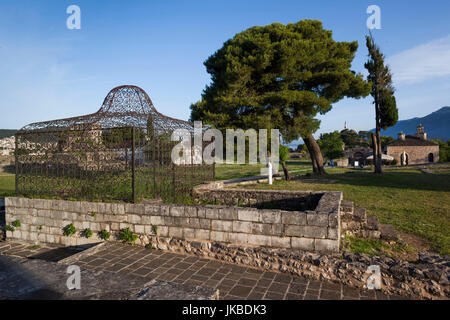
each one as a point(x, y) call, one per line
point(424, 62)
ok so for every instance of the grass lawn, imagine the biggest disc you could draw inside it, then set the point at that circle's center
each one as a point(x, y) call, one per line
point(232, 171)
point(412, 201)
point(7, 185)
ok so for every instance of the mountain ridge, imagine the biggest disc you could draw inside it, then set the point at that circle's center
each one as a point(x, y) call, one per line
point(436, 125)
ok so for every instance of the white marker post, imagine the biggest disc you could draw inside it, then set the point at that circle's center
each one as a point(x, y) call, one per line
point(269, 170)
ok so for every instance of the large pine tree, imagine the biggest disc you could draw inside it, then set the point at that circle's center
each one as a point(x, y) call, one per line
point(279, 77)
point(386, 112)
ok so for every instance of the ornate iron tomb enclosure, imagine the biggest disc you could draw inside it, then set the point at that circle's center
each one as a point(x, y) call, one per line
point(121, 152)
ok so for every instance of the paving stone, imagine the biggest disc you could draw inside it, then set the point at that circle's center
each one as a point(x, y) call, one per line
point(292, 296)
point(247, 282)
point(142, 272)
point(297, 288)
point(260, 289)
point(270, 295)
point(330, 294)
point(199, 277)
point(350, 292)
point(278, 287)
point(381, 296)
point(315, 285)
point(264, 282)
point(38, 279)
point(217, 276)
point(331, 286)
point(175, 271)
point(233, 281)
point(282, 278)
point(206, 271)
point(240, 291)
point(255, 296)
point(309, 296)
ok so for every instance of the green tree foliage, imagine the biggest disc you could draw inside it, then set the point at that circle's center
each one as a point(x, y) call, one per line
point(350, 138)
point(279, 76)
point(385, 140)
point(331, 145)
point(6, 133)
point(365, 137)
point(444, 150)
point(386, 112)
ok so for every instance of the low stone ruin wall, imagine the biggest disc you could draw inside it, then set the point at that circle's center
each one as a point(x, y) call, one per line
point(284, 200)
point(428, 278)
point(271, 239)
point(43, 221)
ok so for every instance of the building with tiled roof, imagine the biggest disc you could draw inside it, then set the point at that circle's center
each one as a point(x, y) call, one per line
point(413, 149)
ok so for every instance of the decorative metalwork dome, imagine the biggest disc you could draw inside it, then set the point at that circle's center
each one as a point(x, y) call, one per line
point(124, 106)
point(121, 152)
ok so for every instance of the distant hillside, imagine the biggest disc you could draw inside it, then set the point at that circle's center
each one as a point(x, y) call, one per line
point(437, 125)
point(7, 133)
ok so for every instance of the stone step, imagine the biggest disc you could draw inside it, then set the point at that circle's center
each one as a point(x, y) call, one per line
point(347, 206)
point(373, 223)
point(388, 232)
point(360, 215)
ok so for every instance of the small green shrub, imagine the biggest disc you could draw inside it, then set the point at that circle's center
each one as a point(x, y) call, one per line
point(69, 230)
point(149, 246)
point(9, 228)
point(104, 235)
point(87, 233)
point(155, 229)
point(16, 223)
point(40, 228)
point(127, 236)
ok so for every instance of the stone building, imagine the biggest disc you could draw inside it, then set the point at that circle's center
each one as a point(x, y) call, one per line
point(413, 149)
point(357, 155)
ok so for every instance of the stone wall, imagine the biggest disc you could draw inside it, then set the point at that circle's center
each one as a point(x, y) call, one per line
point(427, 278)
point(416, 154)
point(281, 199)
point(43, 221)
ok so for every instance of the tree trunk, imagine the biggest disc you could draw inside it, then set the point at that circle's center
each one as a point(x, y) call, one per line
point(314, 163)
point(380, 153)
point(316, 155)
point(376, 139)
point(376, 145)
point(287, 176)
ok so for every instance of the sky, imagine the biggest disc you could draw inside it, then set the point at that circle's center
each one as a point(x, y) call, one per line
point(48, 71)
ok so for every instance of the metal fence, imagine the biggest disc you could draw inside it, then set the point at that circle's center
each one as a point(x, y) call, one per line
point(101, 157)
point(103, 164)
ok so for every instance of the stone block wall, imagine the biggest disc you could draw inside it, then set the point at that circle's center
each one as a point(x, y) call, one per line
point(416, 154)
point(287, 200)
point(313, 230)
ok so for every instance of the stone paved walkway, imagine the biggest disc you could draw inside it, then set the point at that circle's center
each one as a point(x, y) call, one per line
point(233, 281)
point(30, 279)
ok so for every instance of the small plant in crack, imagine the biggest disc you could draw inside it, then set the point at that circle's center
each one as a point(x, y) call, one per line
point(127, 236)
point(69, 230)
point(104, 235)
point(87, 233)
point(16, 223)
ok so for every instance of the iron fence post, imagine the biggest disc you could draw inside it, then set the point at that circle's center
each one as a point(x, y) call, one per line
point(16, 163)
point(133, 169)
point(173, 181)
